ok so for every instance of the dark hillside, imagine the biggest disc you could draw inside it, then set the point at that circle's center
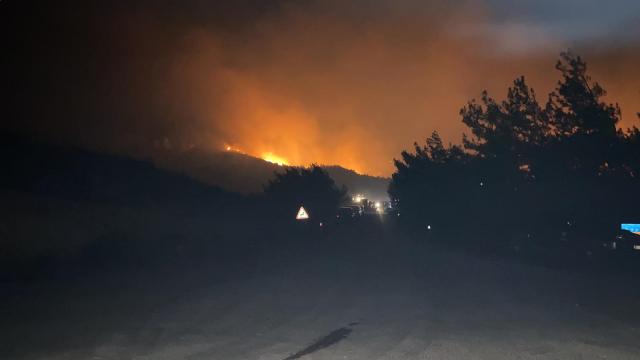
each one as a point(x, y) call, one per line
point(63, 204)
point(243, 173)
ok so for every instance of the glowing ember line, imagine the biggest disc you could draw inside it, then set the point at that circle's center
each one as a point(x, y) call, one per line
point(231, 148)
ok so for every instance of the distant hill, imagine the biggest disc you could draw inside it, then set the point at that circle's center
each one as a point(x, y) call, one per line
point(247, 174)
point(75, 174)
point(62, 203)
point(230, 170)
point(373, 187)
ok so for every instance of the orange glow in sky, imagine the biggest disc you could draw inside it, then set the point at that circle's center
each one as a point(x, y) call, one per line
point(373, 99)
point(335, 82)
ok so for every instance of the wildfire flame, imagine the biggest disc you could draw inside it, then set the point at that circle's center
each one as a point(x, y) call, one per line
point(275, 159)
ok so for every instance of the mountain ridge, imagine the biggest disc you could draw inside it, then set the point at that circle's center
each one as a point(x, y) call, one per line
point(238, 172)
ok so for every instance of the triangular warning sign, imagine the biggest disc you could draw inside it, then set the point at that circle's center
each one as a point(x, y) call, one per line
point(302, 214)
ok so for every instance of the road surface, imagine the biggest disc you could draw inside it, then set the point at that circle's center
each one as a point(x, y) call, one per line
point(367, 297)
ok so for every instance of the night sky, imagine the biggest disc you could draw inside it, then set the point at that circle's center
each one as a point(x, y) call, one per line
point(333, 82)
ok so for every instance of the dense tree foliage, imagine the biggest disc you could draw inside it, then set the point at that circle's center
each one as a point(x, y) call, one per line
point(310, 187)
point(563, 166)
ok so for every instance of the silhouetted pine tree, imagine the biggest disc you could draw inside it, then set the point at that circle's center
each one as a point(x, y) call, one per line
point(564, 166)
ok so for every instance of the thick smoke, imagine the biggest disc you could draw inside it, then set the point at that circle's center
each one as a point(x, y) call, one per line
point(332, 82)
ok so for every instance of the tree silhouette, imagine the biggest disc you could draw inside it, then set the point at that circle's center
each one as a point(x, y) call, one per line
point(575, 106)
point(527, 167)
point(507, 129)
point(310, 187)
